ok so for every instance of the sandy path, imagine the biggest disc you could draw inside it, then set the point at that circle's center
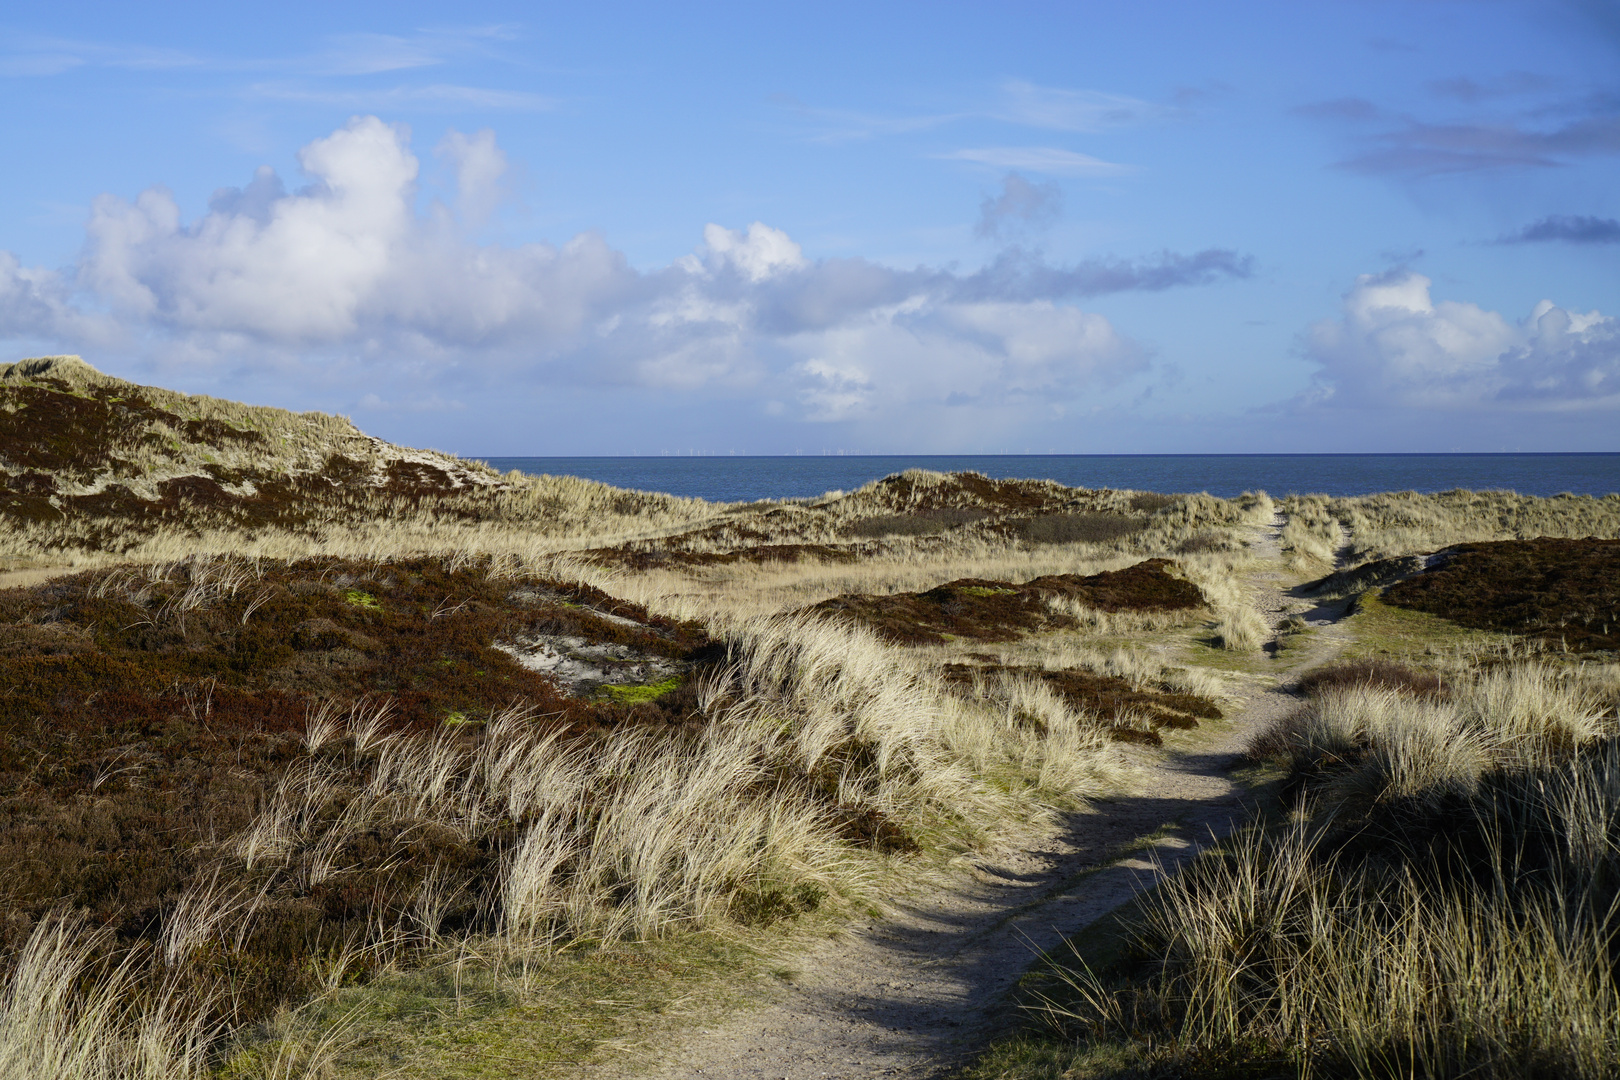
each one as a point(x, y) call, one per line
point(914, 994)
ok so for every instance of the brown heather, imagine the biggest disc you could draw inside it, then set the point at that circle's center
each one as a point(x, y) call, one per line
point(315, 708)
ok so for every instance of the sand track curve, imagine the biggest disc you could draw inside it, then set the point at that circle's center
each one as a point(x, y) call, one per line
point(915, 993)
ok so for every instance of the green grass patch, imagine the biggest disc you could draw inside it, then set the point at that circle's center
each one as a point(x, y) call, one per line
point(630, 694)
point(534, 1017)
point(1385, 631)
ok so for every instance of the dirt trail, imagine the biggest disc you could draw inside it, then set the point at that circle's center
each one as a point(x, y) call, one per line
point(913, 995)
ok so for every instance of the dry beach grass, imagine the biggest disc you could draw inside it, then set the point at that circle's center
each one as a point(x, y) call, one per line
point(310, 713)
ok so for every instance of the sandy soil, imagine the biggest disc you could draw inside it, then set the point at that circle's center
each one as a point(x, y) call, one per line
point(915, 994)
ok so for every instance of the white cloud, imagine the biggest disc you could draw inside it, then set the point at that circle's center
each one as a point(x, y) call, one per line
point(481, 168)
point(760, 254)
point(36, 305)
point(29, 55)
point(833, 391)
point(1396, 346)
point(351, 277)
point(368, 54)
point(1040, 159)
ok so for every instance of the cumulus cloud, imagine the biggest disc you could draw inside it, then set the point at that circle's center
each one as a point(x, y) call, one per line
point(1396, 346)
point(1022, 207)
point(37, 305)
point(352, 270)
point(1574, 229)
point(481, 168)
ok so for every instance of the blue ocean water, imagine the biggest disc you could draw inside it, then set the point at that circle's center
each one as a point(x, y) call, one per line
point(732, 479)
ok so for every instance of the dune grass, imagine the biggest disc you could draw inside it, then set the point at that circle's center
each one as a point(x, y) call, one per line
point(812, 758)
point(1442, 902)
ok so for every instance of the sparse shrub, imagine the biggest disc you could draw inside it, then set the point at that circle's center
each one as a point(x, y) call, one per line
point(1206, 541)
point(925, 524)
point(1078, 528)
point(1384, 674)
point(1151, 502)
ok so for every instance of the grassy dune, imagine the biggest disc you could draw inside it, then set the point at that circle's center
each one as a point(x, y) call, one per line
point(1431, 889)
point(317, 740)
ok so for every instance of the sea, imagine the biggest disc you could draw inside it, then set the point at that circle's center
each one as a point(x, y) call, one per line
point(739, 478)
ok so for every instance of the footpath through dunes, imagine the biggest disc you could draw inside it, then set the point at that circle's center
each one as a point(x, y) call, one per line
point(917, 991)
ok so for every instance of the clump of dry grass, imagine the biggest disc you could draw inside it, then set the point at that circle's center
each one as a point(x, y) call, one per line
point(1392, 524)
point(62, 1019)
point(822, 755)
point(1444, 905)
point(1374, 743)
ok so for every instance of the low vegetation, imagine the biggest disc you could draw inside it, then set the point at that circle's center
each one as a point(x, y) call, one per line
point(260, 780)
point(1001, 611)
point(1395, 524)
point(1565, 593)
point(1440, 902)
point(308, 716)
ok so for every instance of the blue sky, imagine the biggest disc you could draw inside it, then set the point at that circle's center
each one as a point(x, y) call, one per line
point(620, 228)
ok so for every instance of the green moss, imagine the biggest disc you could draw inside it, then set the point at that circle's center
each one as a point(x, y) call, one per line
point(628, 694)
point(361, 599)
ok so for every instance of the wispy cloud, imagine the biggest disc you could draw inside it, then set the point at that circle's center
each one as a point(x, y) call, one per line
point(26, 56)
point(846, 125)
point(1419, 149)
point(1049, 160)
point(1347, 110)
point(1016, 102)
point(1472, 91)
point(332, 56)
point(1539, 136)
point(371, 54)
point(432, 96)
point(1574, 229)
point(1058, 109)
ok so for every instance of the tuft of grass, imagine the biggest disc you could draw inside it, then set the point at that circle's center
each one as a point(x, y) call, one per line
point(1442, 904)
point(1241, 629)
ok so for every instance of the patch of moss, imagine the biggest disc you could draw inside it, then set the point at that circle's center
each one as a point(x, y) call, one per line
point(631, 694)
point(360, 598)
